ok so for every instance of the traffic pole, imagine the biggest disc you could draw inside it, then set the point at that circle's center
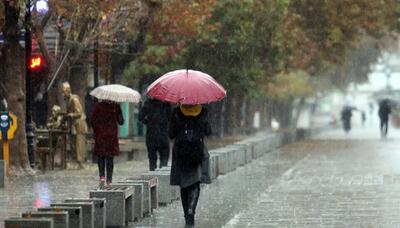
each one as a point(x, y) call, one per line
point(6, 156)
point(28, 86)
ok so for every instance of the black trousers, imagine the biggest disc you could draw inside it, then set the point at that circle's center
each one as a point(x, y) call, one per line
point(157, 146)
point(384, 126)
point(189, 197)
point(346, 125)
point(106, 163)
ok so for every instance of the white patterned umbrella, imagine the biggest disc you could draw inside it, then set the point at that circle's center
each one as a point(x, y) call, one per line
point(116, 93)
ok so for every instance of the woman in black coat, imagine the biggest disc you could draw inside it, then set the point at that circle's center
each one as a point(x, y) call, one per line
point(189, 169)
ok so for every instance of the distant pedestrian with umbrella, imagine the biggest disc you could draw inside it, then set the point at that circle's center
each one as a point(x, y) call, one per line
point(105, 118)
point(188, 127)
point(384, 112)
point(156, 114)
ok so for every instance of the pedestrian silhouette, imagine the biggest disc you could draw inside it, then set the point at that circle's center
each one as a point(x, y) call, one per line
point(384, 112)
point(346, 117)
point(156, 115)
point(363, 118)
point(106, 116)
point(190, 158)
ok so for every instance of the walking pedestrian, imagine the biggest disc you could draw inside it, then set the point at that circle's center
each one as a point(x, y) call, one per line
point(384, 112)
point(346, 117)
point(156, 115)
point(363, 118)
point(189, 126)
point(106, 116)
point(76, 121)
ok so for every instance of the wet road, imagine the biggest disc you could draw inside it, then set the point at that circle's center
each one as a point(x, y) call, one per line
point(333, 180)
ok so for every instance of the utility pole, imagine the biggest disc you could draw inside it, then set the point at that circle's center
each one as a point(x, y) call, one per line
point(28, 84)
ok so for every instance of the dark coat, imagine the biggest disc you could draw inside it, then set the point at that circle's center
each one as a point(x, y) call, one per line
point(105, 119)
point(156, 115)
point(346, 113)
point(182, 174)
point(384, 110)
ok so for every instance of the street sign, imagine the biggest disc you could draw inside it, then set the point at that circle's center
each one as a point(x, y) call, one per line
point(8, 126)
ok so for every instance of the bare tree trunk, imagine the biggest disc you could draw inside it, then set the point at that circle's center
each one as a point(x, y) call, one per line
point(249, 116)
point(269, 107)
point(232, 113)
point(299, 107)
point(14, 82)
point(285, 115)
point(265, 114)
point(229, 107)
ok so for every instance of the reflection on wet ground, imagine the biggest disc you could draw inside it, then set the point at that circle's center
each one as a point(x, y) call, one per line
point(30, 192)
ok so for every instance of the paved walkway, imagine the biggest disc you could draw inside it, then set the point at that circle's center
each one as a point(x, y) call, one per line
point(333, 180)
point(30, 192)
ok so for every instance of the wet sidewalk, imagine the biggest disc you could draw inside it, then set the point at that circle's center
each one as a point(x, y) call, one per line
point(342, 181)
point(30, 192)
point(333, 180)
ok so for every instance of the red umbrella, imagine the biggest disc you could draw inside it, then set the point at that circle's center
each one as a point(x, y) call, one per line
point(186, 87)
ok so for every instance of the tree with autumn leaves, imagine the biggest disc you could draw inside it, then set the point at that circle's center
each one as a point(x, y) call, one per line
point(269, 54)
point(256, 48)
point(79, 25)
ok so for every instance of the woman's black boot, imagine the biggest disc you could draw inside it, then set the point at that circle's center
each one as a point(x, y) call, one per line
point(189, 220)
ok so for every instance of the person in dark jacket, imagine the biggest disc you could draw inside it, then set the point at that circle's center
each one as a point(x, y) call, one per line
point(384, 112)
point(156, 115)
point(188, 176)
point(346, 117)
point(105, 118)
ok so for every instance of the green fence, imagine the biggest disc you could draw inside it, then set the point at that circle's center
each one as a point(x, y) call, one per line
point(124, 129)
point(131, 126)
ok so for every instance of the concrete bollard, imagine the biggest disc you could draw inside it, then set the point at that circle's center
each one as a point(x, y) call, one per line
point(28, 223)
point(138, 199)
point(223, 160)
point(278, 140)
point(163, 190)
point(60, 218)
point(87, 211)
point(232, 158)
point(2, 173)
point(240, 154)
point(248, 151)
point(120, 208)
point(150, 192)
point(267, 144)
point(74, 213)
point(213, 168)
point(258, 148)
point(175, 190)
point(99, 209)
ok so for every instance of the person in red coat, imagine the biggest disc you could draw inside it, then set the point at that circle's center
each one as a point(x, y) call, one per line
point(106, 116)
